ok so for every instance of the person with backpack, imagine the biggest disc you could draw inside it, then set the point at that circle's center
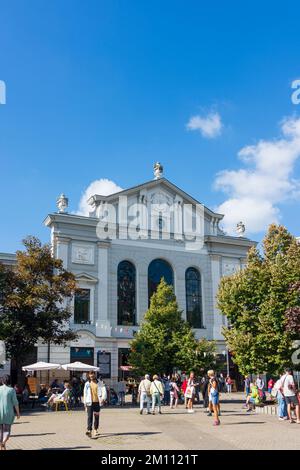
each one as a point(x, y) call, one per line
point(144, 394)
point(157, 393)
point(289, 391)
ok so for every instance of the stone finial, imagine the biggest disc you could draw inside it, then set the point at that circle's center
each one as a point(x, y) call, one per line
point(62, 203)
point(158, 170)
point(240, 229)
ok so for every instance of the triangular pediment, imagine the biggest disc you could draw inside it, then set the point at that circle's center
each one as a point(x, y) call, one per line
point(153, 189)
point(85, 277)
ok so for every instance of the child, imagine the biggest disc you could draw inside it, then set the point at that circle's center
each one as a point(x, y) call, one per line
point(214, 400)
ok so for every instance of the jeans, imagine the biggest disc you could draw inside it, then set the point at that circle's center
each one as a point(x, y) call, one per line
point(156, 401)
point(144, 398)
point(93, 411)
point(229, 387)
point(167, 397)
point(282, 409)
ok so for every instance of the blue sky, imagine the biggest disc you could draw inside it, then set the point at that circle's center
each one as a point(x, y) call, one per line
point(103, 89)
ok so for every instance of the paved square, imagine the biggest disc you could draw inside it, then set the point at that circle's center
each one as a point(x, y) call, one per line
point(125, 429)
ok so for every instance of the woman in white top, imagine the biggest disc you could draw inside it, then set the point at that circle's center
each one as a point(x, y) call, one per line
point(190, 392)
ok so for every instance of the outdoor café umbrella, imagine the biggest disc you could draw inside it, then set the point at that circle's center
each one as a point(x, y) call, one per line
point(79, 366)
point(41, 366)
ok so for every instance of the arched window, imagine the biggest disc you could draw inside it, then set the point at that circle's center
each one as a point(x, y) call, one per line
point(126, 293)
point(193, 297)
point(157, 269)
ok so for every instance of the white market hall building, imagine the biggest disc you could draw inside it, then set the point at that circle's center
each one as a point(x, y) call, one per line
point(117, 276)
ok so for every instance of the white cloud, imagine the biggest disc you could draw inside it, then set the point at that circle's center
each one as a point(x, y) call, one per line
point(209, 126)
point(255, 192)
point(103, 187)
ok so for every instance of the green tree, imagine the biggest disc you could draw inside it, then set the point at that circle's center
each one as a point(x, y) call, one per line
point(34, 300)
point(165, 341)
point(255, 301)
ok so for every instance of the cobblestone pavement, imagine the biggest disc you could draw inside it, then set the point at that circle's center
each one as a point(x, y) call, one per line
point(124, 429)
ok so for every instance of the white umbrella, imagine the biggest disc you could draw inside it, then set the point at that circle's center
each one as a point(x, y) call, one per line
point(79, 366)
point(41, 366)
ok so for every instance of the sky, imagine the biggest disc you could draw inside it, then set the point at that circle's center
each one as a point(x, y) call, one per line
point(97, 91)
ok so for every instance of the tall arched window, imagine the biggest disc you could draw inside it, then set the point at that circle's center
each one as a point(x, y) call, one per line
point(126, 293)
point(157, 269)
point(193, 297)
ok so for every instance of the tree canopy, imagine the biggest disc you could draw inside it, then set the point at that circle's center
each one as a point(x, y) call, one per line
point(166, 341)
point(34, 297)
point(256, 300)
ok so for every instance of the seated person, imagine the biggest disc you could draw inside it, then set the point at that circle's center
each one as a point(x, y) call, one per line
point(43, 394)
point(56, 385)
point(254, 398)
point(25, 395)
point(64, 396)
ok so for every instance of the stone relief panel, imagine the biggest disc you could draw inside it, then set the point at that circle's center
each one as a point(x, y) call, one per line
point(83, 254)
point(230, 267)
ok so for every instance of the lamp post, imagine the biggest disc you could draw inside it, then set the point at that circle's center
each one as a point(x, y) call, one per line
point(226, 354)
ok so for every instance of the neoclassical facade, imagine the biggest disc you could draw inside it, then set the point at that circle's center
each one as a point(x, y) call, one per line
point(118, 273)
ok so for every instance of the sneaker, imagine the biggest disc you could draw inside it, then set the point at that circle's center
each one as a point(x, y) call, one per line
point(160, 412)
point(298, 421)
point(88, 433)
point(94, 434)
point(281, 418)
point(141, 412)
point(153, 412)
point(148, 413)
point(209, 413)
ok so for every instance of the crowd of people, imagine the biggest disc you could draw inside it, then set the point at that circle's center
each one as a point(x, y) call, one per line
point(283, 390)
point(152, 393)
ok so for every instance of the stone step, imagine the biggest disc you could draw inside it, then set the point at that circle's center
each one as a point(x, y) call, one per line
point(268, 409)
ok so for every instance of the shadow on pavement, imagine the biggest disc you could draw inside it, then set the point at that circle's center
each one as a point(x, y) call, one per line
point(38, 434)
point(244, 422)
point(113, 434)
point(66, 448)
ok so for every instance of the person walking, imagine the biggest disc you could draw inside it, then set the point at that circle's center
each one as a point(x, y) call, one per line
point(190, 392)
point(9, 406)
point(121, 392)
point(228, 384)
point(144, 394)
point(94, 396)
point(281, 408)
point(288, 390)
point(157, 392)
point(174, 390)
point(247, 383)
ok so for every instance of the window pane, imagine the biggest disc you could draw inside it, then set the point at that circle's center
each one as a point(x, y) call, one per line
point(126, 294)
point(158, 269)
point(193, 298)
point(82, 306)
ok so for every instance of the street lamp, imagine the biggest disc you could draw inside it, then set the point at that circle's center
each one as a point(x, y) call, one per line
point(226, 354)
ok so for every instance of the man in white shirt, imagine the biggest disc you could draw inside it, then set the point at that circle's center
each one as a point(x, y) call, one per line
point(288, 389)
point(144, 393)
